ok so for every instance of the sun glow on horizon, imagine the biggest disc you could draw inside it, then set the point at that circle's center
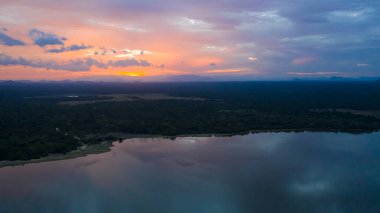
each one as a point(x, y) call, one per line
point(182, 38)
point(131, 74)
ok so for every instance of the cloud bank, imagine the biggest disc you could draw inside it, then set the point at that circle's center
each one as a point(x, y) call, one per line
point(268, 39)
point(71, 65)
point(74, 47)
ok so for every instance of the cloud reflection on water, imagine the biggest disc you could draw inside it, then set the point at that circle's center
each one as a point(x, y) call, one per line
point(266, 172)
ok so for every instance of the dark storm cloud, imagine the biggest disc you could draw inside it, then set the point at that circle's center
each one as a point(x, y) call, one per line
point(71, 65)
point(9, 41)
point(42, 39)
point(74, 47)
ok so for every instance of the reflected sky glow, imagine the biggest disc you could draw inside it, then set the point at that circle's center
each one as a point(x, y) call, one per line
point(266, 172)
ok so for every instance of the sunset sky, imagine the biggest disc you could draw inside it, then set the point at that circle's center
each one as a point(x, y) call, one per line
point(237, 39)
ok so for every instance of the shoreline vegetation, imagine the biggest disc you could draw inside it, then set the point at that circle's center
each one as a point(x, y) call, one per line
point(105, 146)
point(51, 120)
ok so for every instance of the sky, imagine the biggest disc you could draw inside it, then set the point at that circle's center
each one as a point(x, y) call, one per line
point(229, 39)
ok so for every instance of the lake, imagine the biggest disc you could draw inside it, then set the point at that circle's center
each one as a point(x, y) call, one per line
point(264, 172)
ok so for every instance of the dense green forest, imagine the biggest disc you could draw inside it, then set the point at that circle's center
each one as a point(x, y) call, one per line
point(34, 124)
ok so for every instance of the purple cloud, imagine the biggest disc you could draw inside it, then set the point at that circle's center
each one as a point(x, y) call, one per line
point(42, 39)
point(9, 41)
point(128, 63)
point(74, 47)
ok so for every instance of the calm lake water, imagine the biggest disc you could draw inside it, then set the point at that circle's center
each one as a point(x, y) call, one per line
point(266, 172)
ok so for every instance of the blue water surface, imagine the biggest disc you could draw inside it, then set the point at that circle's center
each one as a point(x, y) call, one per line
point(264, 172)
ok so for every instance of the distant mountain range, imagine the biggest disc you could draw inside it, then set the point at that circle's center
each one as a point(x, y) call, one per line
point(338, 78)
point(191, 78)
point(166, 78)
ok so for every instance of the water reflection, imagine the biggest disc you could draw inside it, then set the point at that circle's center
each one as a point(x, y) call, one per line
point(266, 172)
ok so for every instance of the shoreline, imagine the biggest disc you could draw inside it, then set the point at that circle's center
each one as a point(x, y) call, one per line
point(105, 146)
